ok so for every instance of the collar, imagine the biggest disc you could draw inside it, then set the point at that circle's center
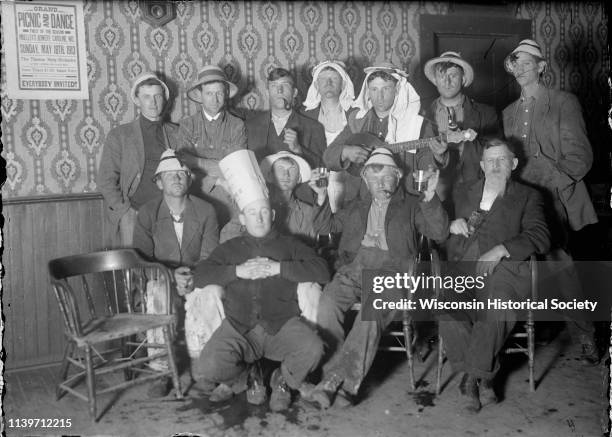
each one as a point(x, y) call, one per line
point(277, 118)
point(144, 121)
point(272, 235)
point(442, 105)
point(216, 117)
point(539, 92)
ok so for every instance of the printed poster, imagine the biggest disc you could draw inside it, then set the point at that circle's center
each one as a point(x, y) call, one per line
point(46, 41)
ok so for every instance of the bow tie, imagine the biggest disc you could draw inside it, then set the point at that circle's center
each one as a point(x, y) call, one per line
point(177, 218)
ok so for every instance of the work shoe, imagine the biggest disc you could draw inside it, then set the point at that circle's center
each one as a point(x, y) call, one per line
point(324, 393)
point(256, 391)
point(343, 399)
point(470, 399)
point(221, 394)
point(160, 388)
point(487, 393)
point(281, 395)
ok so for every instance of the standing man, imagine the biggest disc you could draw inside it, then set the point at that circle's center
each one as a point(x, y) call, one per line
point(500, 225)
point(130, 156)
point(328, 100)
point(454, 111)
point(548, 125)
point(210, 135)
point(282, 127)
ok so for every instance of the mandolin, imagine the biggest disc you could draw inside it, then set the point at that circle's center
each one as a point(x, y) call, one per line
point(370, 142)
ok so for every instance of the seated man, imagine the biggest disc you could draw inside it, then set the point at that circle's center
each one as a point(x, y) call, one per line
point(177, 229)
point(282, 127)
point(377, 233)
point(260, 272)
point(500, 225)
point(284, 171)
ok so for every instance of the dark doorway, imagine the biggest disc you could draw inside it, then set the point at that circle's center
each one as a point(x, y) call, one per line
point(484, 41)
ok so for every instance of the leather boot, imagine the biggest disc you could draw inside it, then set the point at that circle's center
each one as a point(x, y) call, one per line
point(487, 393)
point(471, 400)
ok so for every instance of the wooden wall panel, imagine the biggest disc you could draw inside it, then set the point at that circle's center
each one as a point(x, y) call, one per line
point(37, 230)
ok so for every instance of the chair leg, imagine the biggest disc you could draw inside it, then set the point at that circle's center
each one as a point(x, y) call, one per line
point(91, 383)
point(531, 353)
point(68, 350)
point(440, 365)
point(172, 364)
point(408, 335)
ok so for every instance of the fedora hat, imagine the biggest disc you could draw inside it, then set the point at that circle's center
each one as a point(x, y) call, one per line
point(267, 163)
point(453, 57)
point(140, 79)
point(210, 73)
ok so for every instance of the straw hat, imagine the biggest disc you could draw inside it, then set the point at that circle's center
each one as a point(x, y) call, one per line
point(526, 46)
point(267, 163)
point(210, 73)
point(455, 58)
point(140, 79)
point(169, 162)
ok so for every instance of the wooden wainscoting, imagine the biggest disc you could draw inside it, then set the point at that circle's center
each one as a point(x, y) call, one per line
point(37, 229)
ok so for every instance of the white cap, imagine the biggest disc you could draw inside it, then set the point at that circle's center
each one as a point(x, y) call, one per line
point(525, 46)
point(244, 179)
point(381, 156)
point(267, 163)
point(140, 79)
point(169, 162)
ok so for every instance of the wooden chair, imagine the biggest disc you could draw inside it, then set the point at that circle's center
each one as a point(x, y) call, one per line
point(96, 294)
point(517, 338)
point(405, 337)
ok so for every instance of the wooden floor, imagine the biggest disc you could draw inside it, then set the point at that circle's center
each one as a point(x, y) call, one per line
point(570, 401)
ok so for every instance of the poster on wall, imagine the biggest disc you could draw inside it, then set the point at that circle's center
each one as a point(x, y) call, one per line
point(46, 41)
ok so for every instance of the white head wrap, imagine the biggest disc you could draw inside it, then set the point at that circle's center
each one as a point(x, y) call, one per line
point(313, 98)
point(405, 108)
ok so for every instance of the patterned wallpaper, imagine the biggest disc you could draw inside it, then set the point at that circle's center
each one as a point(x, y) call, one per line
point(53, 146)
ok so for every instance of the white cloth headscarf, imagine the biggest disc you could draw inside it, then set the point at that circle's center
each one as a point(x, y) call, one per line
point(313, 97)
point(404, 119)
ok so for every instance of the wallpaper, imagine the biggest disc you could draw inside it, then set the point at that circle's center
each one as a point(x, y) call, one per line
point(54, 146)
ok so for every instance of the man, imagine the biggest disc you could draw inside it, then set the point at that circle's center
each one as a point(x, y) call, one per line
point(453, 111)
point(260, 272)
point(130, 156)
point(328, 100)
point(387, 108)
point(210, 135)
point(548, 125)
point(178, 230)
point(284, 171)
point(282, 127)
point(377, 233)
point(500, 225)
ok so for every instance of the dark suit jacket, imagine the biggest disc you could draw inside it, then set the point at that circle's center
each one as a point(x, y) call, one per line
point(155, 238)
point(311, 136)
point(560, 133)
point(515, 220)
point(466, 167)
point(406, 216)
point(122, 164)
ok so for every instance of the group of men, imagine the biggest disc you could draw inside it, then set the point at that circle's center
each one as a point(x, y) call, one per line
point(270, 294)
